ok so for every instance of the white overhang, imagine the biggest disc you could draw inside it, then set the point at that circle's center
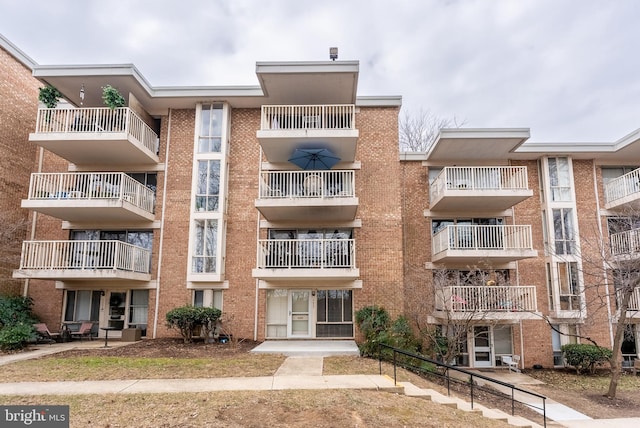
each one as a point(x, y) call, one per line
point(482, 145)
point(332, 82)
point(476, 144)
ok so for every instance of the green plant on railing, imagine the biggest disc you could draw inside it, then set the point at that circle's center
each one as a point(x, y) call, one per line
point(112, 97)
point(49, 95)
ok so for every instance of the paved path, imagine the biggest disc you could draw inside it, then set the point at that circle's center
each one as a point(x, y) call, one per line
point(297, 372)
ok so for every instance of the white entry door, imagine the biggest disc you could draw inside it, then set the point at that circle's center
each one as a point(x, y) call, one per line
point(482, 353)
point(299, 313)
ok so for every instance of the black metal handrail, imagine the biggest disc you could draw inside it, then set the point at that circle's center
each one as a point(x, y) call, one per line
point(471, 382)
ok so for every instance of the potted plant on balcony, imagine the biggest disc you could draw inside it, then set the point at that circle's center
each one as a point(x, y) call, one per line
point(113, 99)
point(49, 96)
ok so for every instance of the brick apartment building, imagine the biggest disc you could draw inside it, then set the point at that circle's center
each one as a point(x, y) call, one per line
point(199, 195)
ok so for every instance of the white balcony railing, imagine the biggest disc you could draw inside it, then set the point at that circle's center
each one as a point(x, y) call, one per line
point(478, 299)
point(85, 255)
point(97, 120)
point(626, 243)
point(307, 184)
point(634, 302)
point(479, 178)
point(622, 187)
point(306, 253)
point(478, 237)
point(323, 117)
point(90, 185)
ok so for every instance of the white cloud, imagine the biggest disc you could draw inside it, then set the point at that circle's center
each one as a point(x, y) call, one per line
point(565, 68)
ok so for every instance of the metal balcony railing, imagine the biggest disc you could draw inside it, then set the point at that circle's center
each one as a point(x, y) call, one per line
point(91, 185)
point(85, 255)
point(97, 120)
point(622, 187)
point(626, 243)
point(479, 178)
point(487, 298)
point(323, 117)
point(479, 237)
point(306, 253)
point(307, 184)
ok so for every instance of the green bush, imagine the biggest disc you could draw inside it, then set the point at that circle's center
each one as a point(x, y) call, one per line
point(49, 96)
point(585, 357)
point(16, 310)
point(187, 318)
point(375, 324)
point(112, 97)
point(16, 336)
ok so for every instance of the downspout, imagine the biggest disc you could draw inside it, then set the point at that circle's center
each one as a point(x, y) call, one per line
point(602, 253)
point(34, 221)
point(255, 319)
point(164, 207)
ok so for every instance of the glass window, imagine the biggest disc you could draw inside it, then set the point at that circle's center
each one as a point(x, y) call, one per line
point(210, 140)
point(208, 298)
point(334, 313)
point(138, 310)
point(563, 231)
point(205, 246)
point(559, 179)
point(569, 286)
point(208, 186)
point(82, 305)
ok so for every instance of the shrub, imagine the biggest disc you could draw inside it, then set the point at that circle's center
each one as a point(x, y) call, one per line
point(374, 322)
point(187, 318)
point(16, 336)
point(16, 310)
point(585, 357)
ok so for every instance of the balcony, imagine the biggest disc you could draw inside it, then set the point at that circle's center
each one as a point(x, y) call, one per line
point(486, 302)
point(623, 193)
point(625, 246)
point(633, 309)
point(307, 195)
point(470, 244)
point(493, 188)
point(84, 260)
point(96, 136)
point(309, 259)
point(99, 197)
point(283, 128)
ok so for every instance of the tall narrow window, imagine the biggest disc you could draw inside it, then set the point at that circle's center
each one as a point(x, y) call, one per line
point(210, 139)
point(138, 309)
point(205, 249)
point(208, 185)
point(569, 286)
point(559, 179)
point(563, 231)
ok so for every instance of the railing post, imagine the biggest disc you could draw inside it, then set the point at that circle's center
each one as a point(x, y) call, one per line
point(544, 412)
point(471, 380)
point(395, 376)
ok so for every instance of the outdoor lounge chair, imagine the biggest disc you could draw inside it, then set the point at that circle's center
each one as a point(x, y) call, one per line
point(511, 361)
point(45, 335)
point(83, 331)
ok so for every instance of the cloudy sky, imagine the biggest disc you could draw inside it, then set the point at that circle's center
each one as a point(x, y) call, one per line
point(567, 69)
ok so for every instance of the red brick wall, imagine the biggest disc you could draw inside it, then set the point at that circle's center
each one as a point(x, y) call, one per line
point(18, 109)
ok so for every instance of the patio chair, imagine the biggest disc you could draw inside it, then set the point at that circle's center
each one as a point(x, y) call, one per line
point(45, 335)
point(511, 361)
point(83, 331)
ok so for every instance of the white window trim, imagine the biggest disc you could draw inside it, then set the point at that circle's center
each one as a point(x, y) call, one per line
point(218, 276)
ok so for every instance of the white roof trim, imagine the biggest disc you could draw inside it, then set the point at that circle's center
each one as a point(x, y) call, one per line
point(17, 53)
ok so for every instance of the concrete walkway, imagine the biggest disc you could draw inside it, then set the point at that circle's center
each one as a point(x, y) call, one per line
point(302, 370)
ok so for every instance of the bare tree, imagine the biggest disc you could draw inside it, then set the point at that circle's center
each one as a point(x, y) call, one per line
point(418, 132)
point(611, 278)
point(457, 309)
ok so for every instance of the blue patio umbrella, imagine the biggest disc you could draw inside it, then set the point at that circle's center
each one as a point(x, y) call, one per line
point(314, 159)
